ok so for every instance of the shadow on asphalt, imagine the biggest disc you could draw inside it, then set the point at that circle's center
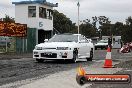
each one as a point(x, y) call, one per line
point(60, 62)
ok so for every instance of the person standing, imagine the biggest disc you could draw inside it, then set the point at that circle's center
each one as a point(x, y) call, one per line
point(110, 42)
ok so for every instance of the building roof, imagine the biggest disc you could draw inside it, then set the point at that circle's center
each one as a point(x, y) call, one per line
point(43, 2)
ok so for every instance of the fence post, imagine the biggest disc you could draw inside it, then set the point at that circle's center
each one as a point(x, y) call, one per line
point(6, 45)
point(23, 45)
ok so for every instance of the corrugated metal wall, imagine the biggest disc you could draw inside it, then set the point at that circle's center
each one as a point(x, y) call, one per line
point(26, 44)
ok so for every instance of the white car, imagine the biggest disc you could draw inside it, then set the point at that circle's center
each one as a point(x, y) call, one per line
point(64, 47)
point(101, 44)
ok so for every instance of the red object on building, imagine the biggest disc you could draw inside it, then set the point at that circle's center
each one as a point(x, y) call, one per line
point(13, 29)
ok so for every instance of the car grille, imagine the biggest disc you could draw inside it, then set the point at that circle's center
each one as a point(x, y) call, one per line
point(51, 55)
point(36, 55)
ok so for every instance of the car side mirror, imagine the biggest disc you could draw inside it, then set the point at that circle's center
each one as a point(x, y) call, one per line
point(46, 40)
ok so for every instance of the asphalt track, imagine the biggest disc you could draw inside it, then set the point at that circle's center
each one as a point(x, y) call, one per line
point(19, 69)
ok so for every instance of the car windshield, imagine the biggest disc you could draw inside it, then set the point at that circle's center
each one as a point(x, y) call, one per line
point(64, 38)
point(103, 41)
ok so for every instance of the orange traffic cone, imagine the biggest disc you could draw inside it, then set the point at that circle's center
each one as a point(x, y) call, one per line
point(108, 60)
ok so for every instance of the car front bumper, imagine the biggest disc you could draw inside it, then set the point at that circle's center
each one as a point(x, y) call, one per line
point(52, 54)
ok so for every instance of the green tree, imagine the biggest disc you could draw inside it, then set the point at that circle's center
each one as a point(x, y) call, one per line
point(127, 32)
point(105, 25)
point(94, 21)
point(117, 29)
point(62, 23)
point(87, 28)
point(123, 30)
point(8, 19)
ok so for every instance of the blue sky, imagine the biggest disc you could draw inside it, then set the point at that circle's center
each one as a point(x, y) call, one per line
point(116, 10)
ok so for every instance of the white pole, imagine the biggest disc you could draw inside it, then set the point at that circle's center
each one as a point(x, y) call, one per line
point(78, 17)
point(78, 4)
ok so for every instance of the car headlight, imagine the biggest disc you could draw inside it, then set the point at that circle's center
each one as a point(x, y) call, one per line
point(38, 48)
point(62, 48)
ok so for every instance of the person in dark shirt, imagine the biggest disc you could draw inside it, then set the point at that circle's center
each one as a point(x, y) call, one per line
point(110, 42)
